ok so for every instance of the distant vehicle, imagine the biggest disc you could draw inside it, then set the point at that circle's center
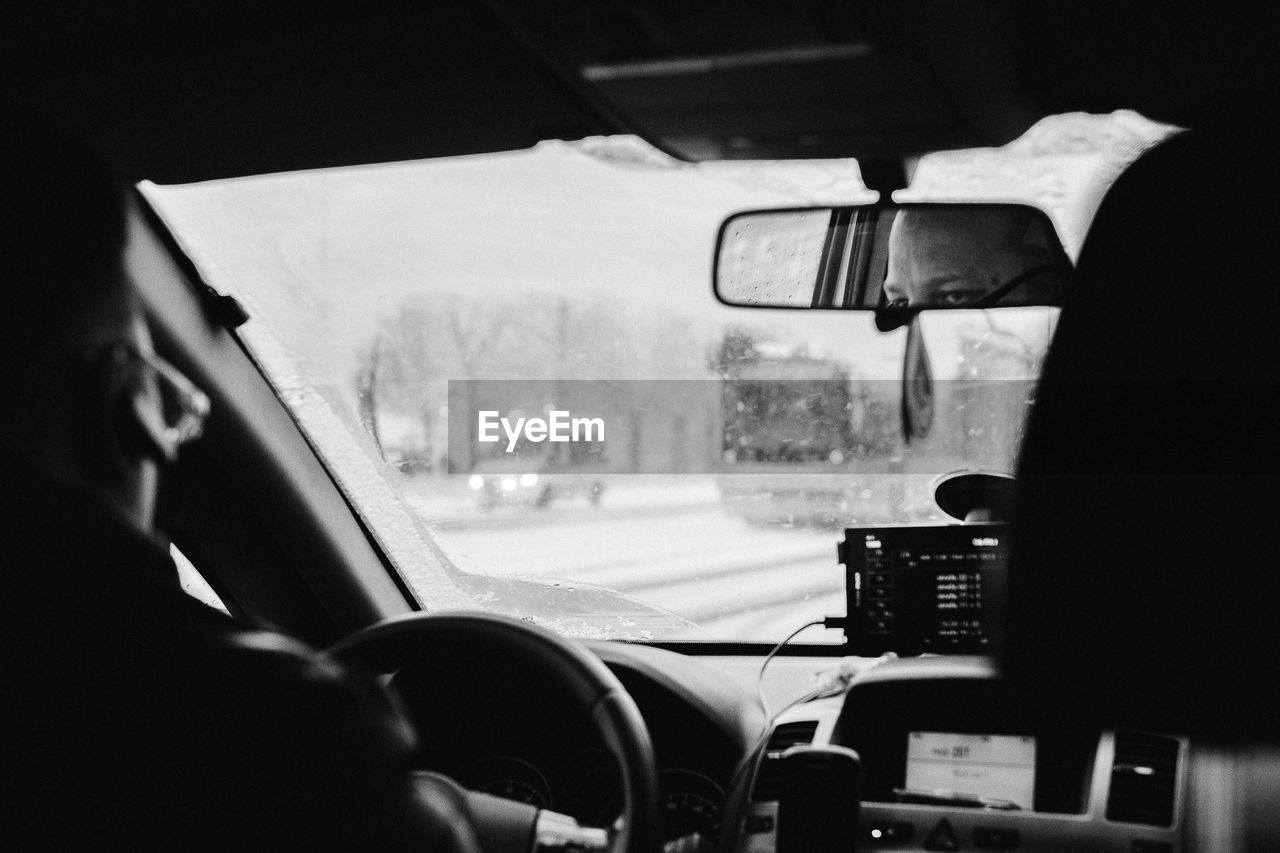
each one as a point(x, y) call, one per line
point(792, 426)
point(786, 408)
point(538, 484)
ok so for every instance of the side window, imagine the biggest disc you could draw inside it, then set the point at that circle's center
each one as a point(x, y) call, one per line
point(193, 583)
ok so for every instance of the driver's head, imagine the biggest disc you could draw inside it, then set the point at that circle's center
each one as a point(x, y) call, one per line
point(954, 257)
point(83, 401)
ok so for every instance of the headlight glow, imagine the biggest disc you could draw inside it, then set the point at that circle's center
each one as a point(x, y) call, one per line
point(528, 480)
point(476, 482)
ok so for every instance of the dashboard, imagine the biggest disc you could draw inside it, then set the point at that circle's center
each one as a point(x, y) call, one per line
point(932, 752)
point(944, 760)
point(503, 731)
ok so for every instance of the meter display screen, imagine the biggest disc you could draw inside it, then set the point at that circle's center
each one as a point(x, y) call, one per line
point(997, 767)
point(917, 589)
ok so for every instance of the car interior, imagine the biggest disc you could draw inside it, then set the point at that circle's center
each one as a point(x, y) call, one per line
point(1114, 687)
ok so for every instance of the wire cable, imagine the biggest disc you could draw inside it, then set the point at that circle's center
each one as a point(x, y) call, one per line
point(828, 622)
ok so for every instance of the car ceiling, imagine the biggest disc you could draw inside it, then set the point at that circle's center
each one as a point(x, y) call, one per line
point(189, 91)
point(242, 88)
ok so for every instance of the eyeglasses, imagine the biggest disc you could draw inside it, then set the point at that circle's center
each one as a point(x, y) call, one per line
point(184, 407)
point(993, 298)
point(899, 312)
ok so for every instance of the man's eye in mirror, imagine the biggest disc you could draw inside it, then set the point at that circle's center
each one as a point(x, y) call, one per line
point(892, 257)
point(959, 298)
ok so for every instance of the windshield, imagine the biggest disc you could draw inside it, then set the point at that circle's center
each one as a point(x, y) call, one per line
point(418, 319)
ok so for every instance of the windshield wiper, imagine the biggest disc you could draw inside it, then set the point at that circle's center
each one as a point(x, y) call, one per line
point(940, 797)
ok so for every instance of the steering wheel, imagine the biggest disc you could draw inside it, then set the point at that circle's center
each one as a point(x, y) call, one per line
point(575, 673)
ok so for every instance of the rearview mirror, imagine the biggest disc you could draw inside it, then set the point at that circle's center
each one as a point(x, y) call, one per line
point(893, 259)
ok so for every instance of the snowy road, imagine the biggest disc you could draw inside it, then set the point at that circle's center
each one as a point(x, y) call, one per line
point(675, 548)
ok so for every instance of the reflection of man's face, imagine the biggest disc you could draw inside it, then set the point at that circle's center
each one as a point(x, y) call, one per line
point(956, 257)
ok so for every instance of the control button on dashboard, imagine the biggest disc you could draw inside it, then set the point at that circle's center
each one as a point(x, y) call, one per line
point(995, 838)
point(884, 834)
point(942, 837)
point(759, 823)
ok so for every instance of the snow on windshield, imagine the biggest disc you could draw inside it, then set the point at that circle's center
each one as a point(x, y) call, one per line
point(1064, 165)
point(370, 289)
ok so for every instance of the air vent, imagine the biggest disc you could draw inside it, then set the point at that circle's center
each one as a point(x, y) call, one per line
point(1143, 779)
point(768, 777)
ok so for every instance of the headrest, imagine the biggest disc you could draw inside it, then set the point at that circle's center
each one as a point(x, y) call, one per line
point(1144, 583)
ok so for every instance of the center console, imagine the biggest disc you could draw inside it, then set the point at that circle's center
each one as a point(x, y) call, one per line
point(941, 754)
point(930, 730)
point(945, 765)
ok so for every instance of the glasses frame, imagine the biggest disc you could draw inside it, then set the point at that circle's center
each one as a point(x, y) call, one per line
point(992, 299)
